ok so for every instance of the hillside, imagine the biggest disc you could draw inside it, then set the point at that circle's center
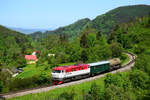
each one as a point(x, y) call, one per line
point(13, 45)
point(134, 35)
point(71, 30)
point(132, 85)
point(104, 23)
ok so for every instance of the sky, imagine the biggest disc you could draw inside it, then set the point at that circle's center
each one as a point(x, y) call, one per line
point(51, 14)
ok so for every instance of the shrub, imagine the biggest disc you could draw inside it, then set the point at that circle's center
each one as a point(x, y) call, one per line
point(43, 79)
point(117, 93)
point(67, 96)
point(116, 49)
point(139, 79)
point(119, 80)
point(1, 86)
point(18, 83)
point(95, 92)
point(142, 63)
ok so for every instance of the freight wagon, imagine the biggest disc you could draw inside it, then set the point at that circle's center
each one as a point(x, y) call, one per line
point(99, 67)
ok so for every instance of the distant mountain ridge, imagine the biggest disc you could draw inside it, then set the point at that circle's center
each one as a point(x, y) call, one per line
point(104, 23)
point(71, 30)
point(27, 31)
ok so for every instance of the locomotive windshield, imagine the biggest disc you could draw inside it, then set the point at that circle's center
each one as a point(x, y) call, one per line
point(56, 71)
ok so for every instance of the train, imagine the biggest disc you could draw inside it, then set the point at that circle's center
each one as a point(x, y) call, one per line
point(63, 74)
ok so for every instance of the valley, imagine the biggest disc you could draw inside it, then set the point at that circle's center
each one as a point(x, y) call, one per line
point(108, 36)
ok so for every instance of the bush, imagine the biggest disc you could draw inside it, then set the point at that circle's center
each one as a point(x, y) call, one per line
point(119, 80)
point(123, 56)
point(142, 63)
point(1, 86)
point(117, 93)
point(67, 96)
point(139, 79)
point(116, 80)
point(116, 49)
point(19, 84)
point(95, 92)
point(43, 79)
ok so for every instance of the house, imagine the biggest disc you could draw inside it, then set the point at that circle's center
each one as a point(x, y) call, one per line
point(31, 58)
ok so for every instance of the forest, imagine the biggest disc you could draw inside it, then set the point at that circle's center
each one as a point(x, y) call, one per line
point(104, 23)
point(90, 45)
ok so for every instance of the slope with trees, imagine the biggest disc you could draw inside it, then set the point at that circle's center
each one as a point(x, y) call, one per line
point(132, 85)
point(13, 46)
point(92, 46)
point(104, 23)
point(72, 30)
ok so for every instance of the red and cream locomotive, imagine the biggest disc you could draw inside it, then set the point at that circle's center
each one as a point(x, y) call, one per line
point(66, 73)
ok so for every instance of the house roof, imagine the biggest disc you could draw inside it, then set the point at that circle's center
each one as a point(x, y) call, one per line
point(31, 57)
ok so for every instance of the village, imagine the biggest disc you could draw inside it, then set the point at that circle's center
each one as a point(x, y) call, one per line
point(30, 59)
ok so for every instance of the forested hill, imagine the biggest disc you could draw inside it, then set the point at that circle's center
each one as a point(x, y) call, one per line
point(104, 23)
point(13, 45)
point(134, 35)
point(71, 30)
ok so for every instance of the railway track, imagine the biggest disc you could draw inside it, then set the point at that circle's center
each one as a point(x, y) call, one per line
point(125, 67)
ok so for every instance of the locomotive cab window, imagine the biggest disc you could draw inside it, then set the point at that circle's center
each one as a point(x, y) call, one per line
point(57, 71)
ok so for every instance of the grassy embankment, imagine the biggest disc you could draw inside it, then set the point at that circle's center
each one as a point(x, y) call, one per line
point(54, 93)
point(78, 89)
point(123, 62)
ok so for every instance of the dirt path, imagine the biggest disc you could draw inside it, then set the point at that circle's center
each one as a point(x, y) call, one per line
point(44, 89)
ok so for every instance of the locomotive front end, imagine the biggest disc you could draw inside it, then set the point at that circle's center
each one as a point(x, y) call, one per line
point(58, 75)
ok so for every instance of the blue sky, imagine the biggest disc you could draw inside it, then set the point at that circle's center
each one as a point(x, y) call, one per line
point(50, 14)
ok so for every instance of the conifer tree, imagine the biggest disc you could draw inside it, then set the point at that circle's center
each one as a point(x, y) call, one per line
point(84, 41)
point(84, 56)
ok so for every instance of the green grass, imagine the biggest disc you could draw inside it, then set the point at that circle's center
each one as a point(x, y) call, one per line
point(55, 92)
point(126, 60)
point(31, 70)
point(78, 89)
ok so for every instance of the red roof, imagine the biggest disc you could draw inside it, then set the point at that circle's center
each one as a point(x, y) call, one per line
point(31, 57)
point(70, 67)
